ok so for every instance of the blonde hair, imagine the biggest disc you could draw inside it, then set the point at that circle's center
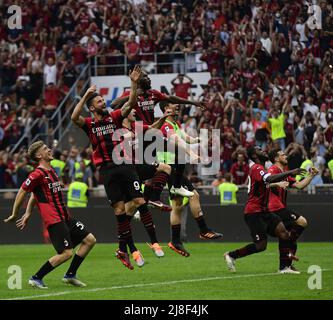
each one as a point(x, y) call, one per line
point(34, 148)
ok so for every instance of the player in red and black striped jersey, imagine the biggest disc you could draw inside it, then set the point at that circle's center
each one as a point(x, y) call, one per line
point(160, 171)
point(121, 181)
point(135, 131)
point(257, 217)
point(277, 204)
point(147, 99)
point(65, 232)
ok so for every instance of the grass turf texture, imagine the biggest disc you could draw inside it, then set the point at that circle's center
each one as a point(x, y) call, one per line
point(203, 275)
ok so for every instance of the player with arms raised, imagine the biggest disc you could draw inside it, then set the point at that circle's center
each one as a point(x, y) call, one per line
point(120, 179)
point(147, 99)
point(65, 232)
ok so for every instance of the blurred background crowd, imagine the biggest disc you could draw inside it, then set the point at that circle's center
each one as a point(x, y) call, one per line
point(271, 73)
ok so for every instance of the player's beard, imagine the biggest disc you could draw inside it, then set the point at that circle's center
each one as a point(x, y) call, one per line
point(263, 158)
point(145, 85)
point(103, 112)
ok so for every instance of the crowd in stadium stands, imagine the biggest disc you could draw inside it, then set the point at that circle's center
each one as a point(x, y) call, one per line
point(271, 72)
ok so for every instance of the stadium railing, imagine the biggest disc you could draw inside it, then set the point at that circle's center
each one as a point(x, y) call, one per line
point(158, 62)
point(60, 122)
point(26, 135)
point(99, 191)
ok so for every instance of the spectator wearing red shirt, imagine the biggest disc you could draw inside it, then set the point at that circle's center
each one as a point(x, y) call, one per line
point(115, 18)
point(229, 142)
point(49, 51)
point(79, 56)
point(132, 49)
point(240, 170)
point(180, 87)
point(212, 58)
point(83, 18)
point(215, 81)
point(52, 97)
point(329, 132)
point(147, 60)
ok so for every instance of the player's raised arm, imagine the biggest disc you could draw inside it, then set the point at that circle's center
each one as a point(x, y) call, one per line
point(178, 100)
point(159, 123)
point(118, 102)
point(17, 205)
point(188, 138)
point(281, 176)
point(76, 115)
point(130, 104)
point(23, 221)
point(306, 181)
point(181, 145)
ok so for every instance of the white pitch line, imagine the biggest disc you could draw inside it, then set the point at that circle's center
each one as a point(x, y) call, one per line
point(148, 285)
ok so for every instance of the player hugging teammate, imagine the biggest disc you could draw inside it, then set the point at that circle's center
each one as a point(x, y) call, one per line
point(263, 213)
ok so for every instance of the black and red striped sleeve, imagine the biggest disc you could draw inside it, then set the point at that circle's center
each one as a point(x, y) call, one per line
point(87, 126)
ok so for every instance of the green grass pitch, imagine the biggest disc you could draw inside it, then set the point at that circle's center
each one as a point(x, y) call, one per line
point(203, 275)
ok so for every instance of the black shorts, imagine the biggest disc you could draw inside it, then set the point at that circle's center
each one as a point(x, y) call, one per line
point(185, 182)
point(67, 234)
point(288, 217)
point(146, 171)
point(261, 224)
point(121, 182)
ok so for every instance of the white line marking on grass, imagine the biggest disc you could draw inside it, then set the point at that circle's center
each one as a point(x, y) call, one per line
point(141, 285)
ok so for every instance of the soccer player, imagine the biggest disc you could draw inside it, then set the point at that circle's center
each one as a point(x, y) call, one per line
point(293, 222)
point(147, 171)
point(171, 130)
point(258, 219)
point(120, 178)
point(147, 98)
point(65, 231)
point(144, 170)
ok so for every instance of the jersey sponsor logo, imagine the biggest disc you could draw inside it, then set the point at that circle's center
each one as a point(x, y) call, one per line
point(27, 182)
point(146, 105)
point(103, 130)
point(239, 173)
point(54, 186)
